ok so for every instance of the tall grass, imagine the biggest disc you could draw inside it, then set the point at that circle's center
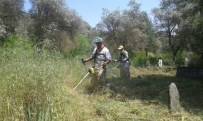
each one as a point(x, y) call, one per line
point(32, 84)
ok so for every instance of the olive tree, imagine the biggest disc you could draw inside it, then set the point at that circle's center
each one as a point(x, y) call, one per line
point(110, 24)
point(176, 20)
point(51, 17)
point(128, 27)
point(169, 23)
point(196, 42)
point(10, 13)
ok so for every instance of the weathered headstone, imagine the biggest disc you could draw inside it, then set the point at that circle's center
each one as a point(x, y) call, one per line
point(186, 61)
point(173, 98)
point(160, 63)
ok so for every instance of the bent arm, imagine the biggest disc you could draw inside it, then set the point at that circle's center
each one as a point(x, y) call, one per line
point(126, 56)
point(88, 59)
point(108, 58)
point(91, 57)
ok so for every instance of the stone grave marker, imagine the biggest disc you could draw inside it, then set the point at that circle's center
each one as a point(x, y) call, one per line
point(160, 63)
point(173, 98)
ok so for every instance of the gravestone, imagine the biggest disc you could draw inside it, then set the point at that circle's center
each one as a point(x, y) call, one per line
point(160, 63)
point(173, 98)
point(186, 61)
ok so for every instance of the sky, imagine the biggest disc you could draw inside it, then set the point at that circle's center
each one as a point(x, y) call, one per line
point(91, 10)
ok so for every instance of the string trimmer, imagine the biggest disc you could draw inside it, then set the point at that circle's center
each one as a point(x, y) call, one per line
point(91, 70)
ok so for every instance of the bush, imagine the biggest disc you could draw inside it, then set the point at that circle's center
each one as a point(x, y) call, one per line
point(16, 41)
point(193, 58)
point(138, 59)
point(152, 59)
point(166, 57)
point(82, 47)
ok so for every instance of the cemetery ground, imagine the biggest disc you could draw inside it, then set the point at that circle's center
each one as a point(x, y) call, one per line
point(39, 87)
point(143, 97)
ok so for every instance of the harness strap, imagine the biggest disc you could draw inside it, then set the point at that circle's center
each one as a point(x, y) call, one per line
point(98, 53)
point(123, 55)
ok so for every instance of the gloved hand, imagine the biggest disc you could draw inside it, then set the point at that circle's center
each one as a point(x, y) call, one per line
point(83, 61)
point(104, 65)
point(115, 60)
point(91, 70)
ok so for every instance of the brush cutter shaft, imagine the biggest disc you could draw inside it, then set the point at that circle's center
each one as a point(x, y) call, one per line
point(81, 81)
point(85, 67)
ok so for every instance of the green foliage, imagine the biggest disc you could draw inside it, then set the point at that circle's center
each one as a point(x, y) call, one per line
point(75, 52)
point(35, 87)
point(130, 27)
point(166, 57)
point(152, 59)
point(51, 17)
point(82, 40)
point(196, 42)
point(181, 55)
point(16, 41)
point(32, 84)
point(82, 48)
point(180, 58)
point(195, 60)
point(138, 59)
point(11, 11)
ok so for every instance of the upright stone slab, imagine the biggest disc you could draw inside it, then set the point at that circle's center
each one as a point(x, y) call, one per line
point(160, 63)
point(173, 98)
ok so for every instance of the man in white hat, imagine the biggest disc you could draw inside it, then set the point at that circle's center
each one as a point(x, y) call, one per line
point(125, 64)
point(101, 57)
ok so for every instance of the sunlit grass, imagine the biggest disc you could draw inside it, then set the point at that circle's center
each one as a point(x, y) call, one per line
point(39, 86)
point(143, 97)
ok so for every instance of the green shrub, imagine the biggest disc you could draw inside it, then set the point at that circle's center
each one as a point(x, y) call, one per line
point(83, 46)
point(16, 41)
point(152, 59)
point(82, 41)
point(166, 57)
point(180, 58)
point(195, 60)
point(138, 59)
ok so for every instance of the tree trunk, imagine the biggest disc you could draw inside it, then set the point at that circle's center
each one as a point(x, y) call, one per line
point(174, 57)
point(201, 60)
point(201, 7)
point(147, 59)
point(146, 52)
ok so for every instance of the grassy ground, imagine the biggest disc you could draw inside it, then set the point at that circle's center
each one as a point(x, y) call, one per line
point(38, 87)
point(144, 97)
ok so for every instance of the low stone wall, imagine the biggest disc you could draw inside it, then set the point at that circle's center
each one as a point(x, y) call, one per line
point(189, 72)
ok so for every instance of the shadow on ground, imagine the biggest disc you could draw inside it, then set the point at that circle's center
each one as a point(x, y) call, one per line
point(154, 89)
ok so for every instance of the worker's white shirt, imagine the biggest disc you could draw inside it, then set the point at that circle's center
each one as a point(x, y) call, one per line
point(123, 56)
point(101, 56)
